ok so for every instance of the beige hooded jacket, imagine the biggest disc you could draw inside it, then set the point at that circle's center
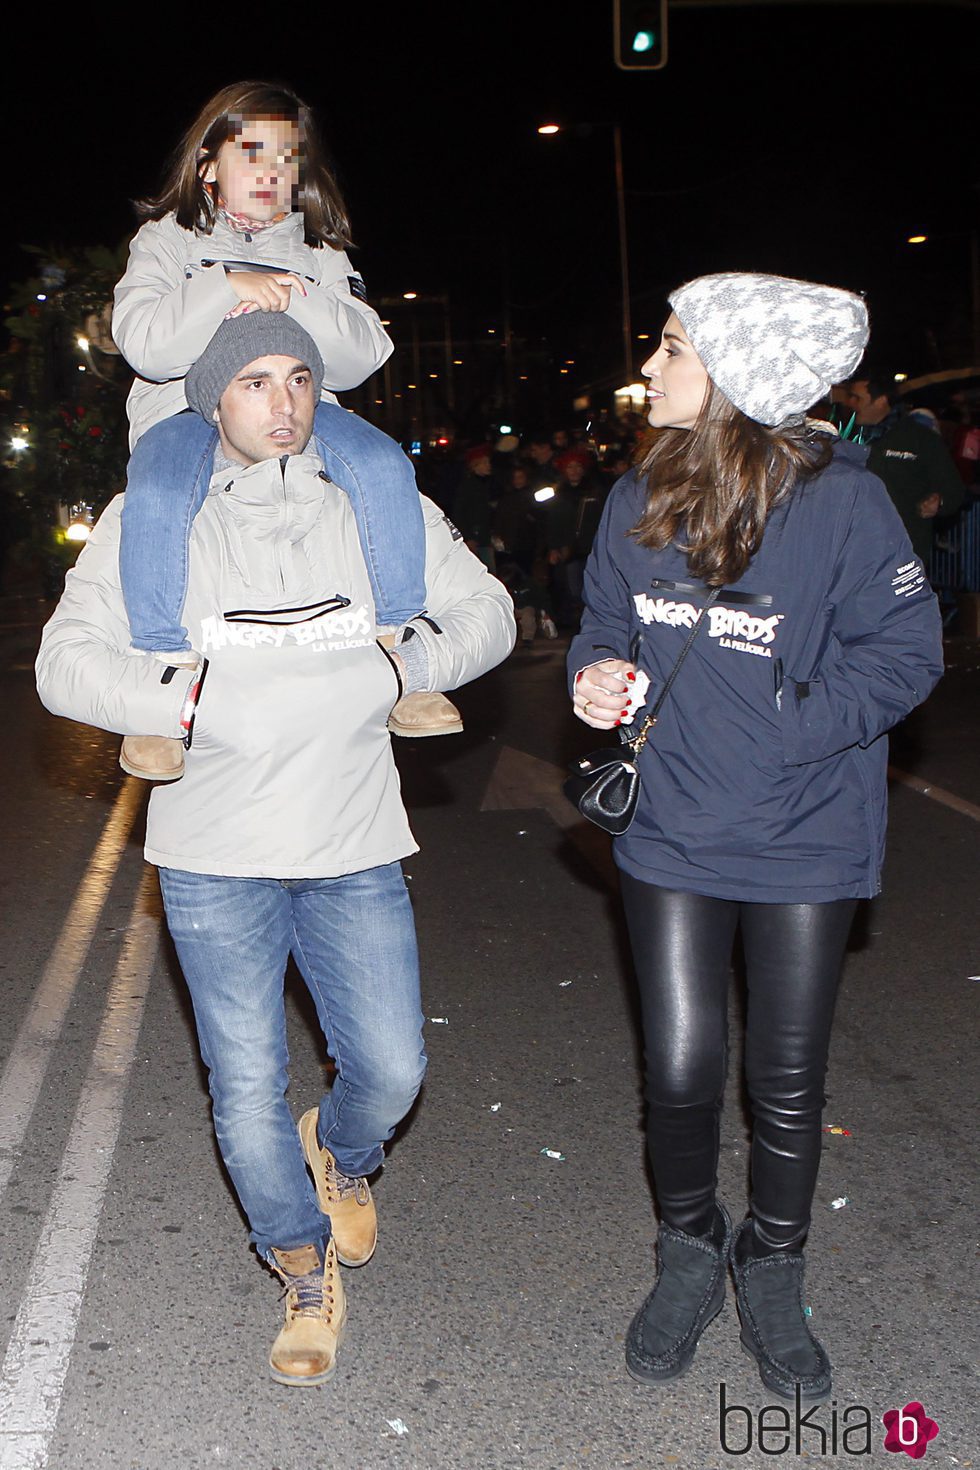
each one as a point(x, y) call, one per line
point(290, 773)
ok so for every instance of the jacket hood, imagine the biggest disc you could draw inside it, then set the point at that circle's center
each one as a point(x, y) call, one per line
point(269, 510)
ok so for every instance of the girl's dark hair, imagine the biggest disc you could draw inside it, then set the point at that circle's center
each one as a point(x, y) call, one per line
point(710, 488)
point(184, 193)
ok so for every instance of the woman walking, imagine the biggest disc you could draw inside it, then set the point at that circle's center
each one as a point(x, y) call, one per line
point(762, 803)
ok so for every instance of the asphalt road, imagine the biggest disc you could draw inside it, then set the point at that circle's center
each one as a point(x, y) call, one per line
point(488, 1330)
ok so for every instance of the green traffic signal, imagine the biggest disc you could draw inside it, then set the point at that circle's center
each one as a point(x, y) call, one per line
point(640, 34)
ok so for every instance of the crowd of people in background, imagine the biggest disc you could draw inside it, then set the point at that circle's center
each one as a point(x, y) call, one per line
point(928, 463)
point(529, 507)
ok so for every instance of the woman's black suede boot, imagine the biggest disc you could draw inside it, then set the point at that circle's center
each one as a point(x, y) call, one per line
point(769, 1291)
point(689, 1293)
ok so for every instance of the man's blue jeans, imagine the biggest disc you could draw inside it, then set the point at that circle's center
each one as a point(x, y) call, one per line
point(353, 939)
point(167, 483)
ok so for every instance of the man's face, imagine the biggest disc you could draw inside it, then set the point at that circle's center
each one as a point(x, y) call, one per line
point(541, 453)
point(267, 410)
point(867, 410)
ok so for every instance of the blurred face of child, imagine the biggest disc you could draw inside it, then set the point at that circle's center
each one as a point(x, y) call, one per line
point(257, 170)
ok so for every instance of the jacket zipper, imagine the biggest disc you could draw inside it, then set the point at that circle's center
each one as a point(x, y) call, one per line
point(284, 459)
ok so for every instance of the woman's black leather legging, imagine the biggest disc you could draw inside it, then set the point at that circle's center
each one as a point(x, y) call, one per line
point(682, 949)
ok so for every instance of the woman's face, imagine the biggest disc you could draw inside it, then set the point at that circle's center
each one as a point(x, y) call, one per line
point(257, 170)
point(679, 382)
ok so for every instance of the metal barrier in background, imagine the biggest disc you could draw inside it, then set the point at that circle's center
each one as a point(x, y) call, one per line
point(955, 563)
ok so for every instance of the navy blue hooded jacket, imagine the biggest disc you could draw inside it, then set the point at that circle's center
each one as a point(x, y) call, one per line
point(765, 776)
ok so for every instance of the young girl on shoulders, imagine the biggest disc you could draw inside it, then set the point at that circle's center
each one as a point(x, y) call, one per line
point(250, 218)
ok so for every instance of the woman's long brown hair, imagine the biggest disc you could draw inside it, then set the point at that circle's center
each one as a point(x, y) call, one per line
point(711, 488)
point(185, 193)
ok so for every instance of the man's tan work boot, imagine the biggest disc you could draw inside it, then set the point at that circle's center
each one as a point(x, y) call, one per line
point(422, 713)
point(348, 1202)
point(305, 1352)
point(152, 757)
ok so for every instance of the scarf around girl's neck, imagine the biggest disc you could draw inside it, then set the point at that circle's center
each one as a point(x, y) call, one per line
point(243, 225)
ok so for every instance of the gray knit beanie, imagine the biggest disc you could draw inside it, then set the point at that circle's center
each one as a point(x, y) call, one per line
point(239, 341)
point(773, 346)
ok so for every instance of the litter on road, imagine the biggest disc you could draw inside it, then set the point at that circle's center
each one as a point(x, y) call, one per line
point(397, 1426)
point(835, 1128)
point(439, 1020)
point(495, 1107)
point(839, 1202)
point(552, 1153)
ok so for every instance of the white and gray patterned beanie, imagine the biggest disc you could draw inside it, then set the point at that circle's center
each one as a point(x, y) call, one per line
point(773, 346)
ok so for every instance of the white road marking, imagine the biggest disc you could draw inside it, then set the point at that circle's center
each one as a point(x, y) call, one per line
point(936, 793)
point(33, 1375)
point(41, 1028)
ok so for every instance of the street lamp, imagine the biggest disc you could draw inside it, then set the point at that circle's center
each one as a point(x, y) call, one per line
point(79, 528)
point(422, 300)
point(550, 130)
point(973, 239)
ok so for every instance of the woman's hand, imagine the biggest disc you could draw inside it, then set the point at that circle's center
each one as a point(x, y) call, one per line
point(601, 692)
point(261, 291)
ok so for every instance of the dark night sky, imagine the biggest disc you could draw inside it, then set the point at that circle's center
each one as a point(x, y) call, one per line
point(806, 139)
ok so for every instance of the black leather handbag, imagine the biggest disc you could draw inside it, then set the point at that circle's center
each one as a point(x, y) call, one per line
point(605, 784)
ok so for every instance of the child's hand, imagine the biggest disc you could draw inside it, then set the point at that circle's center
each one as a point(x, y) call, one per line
point(264, 292)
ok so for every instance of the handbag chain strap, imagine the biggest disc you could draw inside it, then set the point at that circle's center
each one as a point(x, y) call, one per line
point(640, 738)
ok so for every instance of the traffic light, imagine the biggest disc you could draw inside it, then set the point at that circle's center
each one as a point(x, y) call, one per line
point(640, 34)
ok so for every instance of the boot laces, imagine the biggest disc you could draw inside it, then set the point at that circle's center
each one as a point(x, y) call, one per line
point(310, 1296)
point(344, 1187)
